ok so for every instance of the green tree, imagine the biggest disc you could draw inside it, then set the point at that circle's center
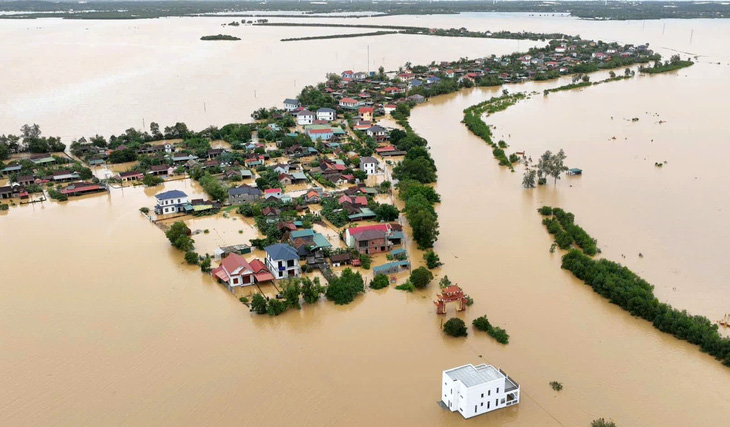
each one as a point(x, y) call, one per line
point(529, 179)
point(291, 292)
point(205, 265)
point(343, 290)
point(602, 423)
point(258, 304)
point(311, 290)
point(455, 327)
point(432, 259)
point(380, 281)
point(191, 257)
point(178, 234)
point(386, 212)
point(152, 180)
point(482, 323)
point(275, 307)
point(421, 277)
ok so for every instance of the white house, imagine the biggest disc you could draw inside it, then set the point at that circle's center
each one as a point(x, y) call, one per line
point(326, 114)
point(291, 104)
point(377, 132)
point(305, 117)
point(282, 260)
point(172, 201)
point(369, 165)
point(348, 103)
point(475, 390)
point(389, 108)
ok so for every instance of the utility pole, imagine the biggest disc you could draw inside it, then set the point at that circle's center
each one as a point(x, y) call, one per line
point(368, 60)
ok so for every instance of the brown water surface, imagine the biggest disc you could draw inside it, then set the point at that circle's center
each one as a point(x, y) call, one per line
point(102, 322)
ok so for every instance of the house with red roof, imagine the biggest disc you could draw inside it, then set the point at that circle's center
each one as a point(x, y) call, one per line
point(260, 272)
point(389, 108)
point(348, 103)
point(369, 239)
point(234, 271)
point(366, 113)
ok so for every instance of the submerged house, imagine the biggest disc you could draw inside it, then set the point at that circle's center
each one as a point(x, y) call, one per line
point(475, 390)
point(172, 201)
point(282, 260)
point(234, 271)
point(369, 239)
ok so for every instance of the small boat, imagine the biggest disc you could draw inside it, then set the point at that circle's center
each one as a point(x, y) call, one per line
point(725, 321)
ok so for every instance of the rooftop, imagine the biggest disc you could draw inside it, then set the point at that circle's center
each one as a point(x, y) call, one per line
point(472, 375)
point(172, 194)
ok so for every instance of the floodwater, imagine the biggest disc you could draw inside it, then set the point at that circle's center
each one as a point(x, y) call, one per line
point(102, 322)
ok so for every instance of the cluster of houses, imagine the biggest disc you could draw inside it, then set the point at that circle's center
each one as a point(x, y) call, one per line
point(44, 169)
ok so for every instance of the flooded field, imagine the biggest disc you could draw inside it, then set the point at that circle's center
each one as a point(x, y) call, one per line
point(102, 322)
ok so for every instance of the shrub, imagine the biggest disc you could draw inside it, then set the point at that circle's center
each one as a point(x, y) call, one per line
point(557, 386)
point(455, 327)
point(499, 334)
point(191, 257)
point(365, 261)
point(178, 235)
point(602, 423)
point(421, 277)
point(481, 323)
point(432, 259)
point(343, 290)
point(152, 180)
point(545, 210)
point(276, 307)
point(258, 304)
point(144, 210)
point(311, 290)
point(205, 265)
point(407, 286)
point(379, 282)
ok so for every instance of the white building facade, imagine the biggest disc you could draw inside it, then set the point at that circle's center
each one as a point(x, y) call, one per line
point(326, 114)
point(369, 165)
point(173, 201)
point(475, 390)
point(305, 117)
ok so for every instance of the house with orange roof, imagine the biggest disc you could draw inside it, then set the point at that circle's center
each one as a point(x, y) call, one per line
point(234, 271)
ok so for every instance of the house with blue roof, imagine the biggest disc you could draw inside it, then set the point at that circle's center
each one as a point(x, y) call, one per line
point(282, 260)
point(172, 201)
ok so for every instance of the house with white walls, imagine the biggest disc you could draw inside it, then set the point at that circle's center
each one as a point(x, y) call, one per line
point(172, 201)
point(305, 117)
point(369, 165)
point(282, 260)
point(326, 114)
point(475, 390)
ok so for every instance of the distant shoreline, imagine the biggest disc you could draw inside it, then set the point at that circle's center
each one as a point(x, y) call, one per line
point(225, 37)
point(592, 10)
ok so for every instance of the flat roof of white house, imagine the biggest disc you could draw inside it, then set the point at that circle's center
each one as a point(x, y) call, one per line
point(472, 375)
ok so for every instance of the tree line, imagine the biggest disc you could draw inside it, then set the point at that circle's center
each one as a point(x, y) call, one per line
point(626, 289)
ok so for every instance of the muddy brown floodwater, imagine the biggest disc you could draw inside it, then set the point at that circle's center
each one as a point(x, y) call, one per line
point(102, 322)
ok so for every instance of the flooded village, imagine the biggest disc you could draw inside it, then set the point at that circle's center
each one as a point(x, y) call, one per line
point(341, 188)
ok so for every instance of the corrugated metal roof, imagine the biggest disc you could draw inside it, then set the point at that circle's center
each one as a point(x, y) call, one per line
point(472, 375)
